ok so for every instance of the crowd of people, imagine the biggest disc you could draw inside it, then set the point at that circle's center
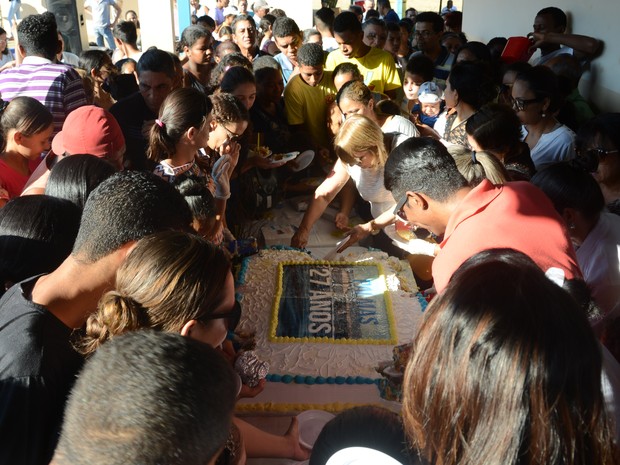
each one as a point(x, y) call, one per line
point(125, 173)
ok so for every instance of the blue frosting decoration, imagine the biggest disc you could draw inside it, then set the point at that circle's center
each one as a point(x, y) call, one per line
point(311, 380)
point(243, 269)
point(285, 247)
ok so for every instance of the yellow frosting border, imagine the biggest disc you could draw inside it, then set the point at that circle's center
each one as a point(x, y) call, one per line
point(333, 407)
point(273, 324)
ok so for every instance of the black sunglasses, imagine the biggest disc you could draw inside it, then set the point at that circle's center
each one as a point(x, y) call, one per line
point(589, 159)
point(519, 104)
point(232, 317)
point(399, 208)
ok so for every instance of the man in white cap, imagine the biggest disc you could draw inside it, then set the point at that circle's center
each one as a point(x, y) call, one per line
point(260, 9)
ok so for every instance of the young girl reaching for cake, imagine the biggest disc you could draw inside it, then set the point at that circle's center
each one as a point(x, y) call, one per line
point(26, 128)
point(177, 282)
point(179, 134)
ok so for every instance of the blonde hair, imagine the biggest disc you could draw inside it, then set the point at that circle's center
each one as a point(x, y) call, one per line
point(477, 166)
point(169, 279)
point(360, 134)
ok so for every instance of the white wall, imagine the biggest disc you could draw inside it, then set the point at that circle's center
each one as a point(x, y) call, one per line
point(485, 19)
point(299, 10)
point(482, 20)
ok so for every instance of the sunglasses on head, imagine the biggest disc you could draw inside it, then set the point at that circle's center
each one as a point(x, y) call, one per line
point(232, 317)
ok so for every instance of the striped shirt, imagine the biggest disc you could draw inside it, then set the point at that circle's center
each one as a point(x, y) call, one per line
point(58, 87)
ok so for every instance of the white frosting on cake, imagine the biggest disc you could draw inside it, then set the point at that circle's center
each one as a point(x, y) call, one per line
point(324, 359)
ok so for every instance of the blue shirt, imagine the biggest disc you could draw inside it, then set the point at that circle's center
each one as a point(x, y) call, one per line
point(391, 17)
point(286, 65)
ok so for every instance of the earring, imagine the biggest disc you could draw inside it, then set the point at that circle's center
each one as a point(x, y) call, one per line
point(571, 226)
point(543, 114)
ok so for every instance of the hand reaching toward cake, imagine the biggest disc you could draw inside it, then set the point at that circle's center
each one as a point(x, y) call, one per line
point(356, 234)
point(250, 392)
point(342, 221)
point(300, 238)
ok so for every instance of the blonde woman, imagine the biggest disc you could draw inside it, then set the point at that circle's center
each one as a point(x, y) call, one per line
point(362, 150)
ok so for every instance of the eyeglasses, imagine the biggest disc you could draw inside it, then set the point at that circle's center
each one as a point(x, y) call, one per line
point(232, 137)
point(590, 158)
point(519, 104)
point(232, 317)
point(399, 210)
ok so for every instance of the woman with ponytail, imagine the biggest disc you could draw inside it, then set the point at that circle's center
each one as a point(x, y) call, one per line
point(177, 142)
point(178, 282)
point(26, 127)
point(180, 131)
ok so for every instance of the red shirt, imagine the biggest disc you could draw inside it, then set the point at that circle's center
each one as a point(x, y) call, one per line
point(516, 215)
point(12, 180)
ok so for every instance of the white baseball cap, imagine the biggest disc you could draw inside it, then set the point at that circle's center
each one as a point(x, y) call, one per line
point(230, 10)
point(430, 92)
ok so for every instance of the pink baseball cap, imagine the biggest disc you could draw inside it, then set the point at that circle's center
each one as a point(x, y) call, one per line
point(89, 130)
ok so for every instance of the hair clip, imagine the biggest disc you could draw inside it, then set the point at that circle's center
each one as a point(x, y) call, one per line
point(159, 123)
point(473, 157)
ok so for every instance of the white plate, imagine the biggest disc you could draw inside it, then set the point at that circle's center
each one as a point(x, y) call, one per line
point(311, 423)
point(361, 456)
point(283, 158)
point(302, 161)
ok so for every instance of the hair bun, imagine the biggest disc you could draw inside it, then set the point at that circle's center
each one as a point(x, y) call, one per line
point(115, 315)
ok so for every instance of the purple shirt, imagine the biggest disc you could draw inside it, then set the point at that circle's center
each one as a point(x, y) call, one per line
point(58, 87)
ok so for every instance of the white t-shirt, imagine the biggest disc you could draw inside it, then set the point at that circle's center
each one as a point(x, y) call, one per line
point(401, 125)
point(538, 59)
point(553, 147)
point(369, 183)
point(329, 44)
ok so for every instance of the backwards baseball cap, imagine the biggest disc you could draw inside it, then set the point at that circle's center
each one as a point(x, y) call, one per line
point(89, 130)
point(429, 92)
point(230, 10)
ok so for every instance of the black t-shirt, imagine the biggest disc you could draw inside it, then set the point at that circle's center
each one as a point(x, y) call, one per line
point(131, 113)
point(38, 366)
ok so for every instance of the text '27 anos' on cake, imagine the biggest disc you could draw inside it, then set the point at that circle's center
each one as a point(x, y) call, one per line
point(325, 327)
